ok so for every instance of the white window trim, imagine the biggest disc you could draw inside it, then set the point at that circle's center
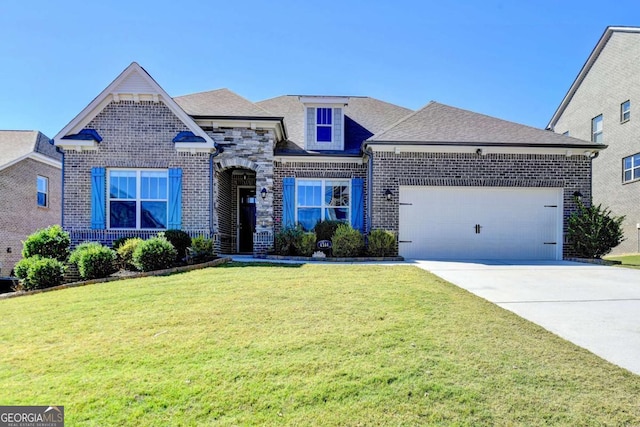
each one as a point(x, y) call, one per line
point(623, 111)
point(594, 132)
point(330, 126)
point(138, 198)
point(323, 207)
point(46, 191)
point(631, 169)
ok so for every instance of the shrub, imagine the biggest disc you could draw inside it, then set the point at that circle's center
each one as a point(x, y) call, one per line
point(347, 242)
point(154, 254)
point(180, 240)
point(382, 243)
point(287, 238)
point(201, 250)
point(120, 241)
point(96, 261)
point(593, 232)
point(306, 244)
point(326, 229)
point(77, 252)
point(38, 272)
point(125, 252)
point(51, 242)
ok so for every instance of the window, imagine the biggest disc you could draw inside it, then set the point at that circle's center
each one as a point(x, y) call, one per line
point(625, 111)
point(42, 185)
point(631, 168)
point(319, 200)
point(596, 129)
point(138, 199)
point(324, 127)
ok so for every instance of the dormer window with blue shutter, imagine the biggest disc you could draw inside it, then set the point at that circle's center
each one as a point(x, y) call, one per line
point(324, 122)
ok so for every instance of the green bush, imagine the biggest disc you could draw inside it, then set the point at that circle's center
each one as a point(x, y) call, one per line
point(326, 229)
point(38, 272)
point(125, 252)
point(154, 254)
point(51, 242)
point(96, 261)
point(120, 241)
point(306, 244)
point(347, 242)
point(201, 250)
point(180, 240)
point(287, 239)
point(593, 232)
point(77, 252)
point(382, 243)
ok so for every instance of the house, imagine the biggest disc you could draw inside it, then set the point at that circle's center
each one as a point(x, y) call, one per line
point(599, 107)
point(451, 182)
point(30, 191)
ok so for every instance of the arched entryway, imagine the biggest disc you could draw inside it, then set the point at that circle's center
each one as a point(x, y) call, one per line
point(236, 209)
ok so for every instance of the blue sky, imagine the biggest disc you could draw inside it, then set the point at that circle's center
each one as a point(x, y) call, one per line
point(510, 59)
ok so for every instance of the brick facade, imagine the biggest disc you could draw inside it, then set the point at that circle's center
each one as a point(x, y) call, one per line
point(391, 170)
point(613, 79)
point(20, 214)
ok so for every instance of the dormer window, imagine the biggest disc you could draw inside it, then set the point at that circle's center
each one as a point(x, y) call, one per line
point(324, 127)
point(324, 122)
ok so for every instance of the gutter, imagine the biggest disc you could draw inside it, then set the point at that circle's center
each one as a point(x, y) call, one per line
point(590, 146)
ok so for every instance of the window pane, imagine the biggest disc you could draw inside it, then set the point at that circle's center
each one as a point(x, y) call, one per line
point(336, 214)
point(42, 199)
point(122, 185)
point(153, 215)
point(122, 215)
point(336, 193)
point(308, 217)
point(627, 175)
point(324, 134)
point(309, 193)
point(636, 161)
point(323, 116)
point(153, 185)
point(42, 184)
point(627, 162)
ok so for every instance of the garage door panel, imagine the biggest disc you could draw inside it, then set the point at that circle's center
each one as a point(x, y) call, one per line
point(515, 223)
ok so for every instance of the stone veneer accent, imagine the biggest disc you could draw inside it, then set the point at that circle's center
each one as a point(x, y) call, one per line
point(303, 169)
point(391, 170)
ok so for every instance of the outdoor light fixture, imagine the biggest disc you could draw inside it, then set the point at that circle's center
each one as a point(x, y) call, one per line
point(388, 194)
point(8, 250)
point(244, 177)
point(263, 193)
point(479, 152)
point(577, 195)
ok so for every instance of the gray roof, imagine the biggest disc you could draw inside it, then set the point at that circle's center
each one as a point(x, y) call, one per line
point(364, 117)
point(17, 144)
point(219, 103)
point(439, 123)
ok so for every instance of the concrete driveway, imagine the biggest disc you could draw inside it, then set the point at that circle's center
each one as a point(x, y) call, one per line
point(595, 307)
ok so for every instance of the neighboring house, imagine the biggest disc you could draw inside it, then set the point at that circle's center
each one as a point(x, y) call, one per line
point(601, 106)
point(453, 183)
point(30, 191)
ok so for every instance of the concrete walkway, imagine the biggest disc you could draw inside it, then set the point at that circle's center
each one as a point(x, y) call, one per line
point(595, 307)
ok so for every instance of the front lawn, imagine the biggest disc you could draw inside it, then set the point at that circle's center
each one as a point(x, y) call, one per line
point(629, 261)
point(298, 345)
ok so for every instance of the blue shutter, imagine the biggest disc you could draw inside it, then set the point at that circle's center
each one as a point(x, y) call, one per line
point(98, 186)
point(175, 199)
point(288, 202)
point(357, 204)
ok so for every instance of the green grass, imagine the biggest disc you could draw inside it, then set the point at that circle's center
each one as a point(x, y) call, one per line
point(629, 261)
point(298, 345)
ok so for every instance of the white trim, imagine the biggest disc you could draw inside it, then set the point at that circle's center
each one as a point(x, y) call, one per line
point(34, 156)
point(110, 93)
point(318, 159)
point(324, 100)
point(451, 148)
point(322, 205)
point(46, 191)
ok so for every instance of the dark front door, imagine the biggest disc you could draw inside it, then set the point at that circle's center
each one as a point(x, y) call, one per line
point(246, 219)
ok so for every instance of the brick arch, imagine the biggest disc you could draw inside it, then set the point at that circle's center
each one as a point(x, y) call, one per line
point(238, 163)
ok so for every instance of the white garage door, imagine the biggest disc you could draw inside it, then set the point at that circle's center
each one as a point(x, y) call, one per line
point(480, 223)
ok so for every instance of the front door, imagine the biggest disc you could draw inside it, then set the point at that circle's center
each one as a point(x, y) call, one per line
point(246, 218)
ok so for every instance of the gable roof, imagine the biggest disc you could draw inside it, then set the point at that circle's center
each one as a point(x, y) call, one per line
point(133, 83)
point(17, 145)
point(438, 124)
point(220, 103)
point(364, 116)
point(608, 32)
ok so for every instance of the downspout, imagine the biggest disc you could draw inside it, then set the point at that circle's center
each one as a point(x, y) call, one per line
point(369, 153)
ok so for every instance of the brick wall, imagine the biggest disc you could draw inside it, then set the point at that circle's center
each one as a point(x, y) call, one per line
point(391, 170)
point(613, 79)
point(20, 214)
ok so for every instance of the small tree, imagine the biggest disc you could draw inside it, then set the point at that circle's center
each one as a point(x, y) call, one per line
point(593, 232)
point(51, 242)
